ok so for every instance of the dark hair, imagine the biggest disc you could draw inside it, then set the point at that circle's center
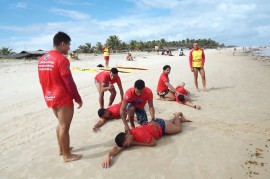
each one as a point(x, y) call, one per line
point(181, 97)
point(139, 84)
point(61, 37)
point(120, 139)
point(114, 71)
point(101, 112)
point(166, 66)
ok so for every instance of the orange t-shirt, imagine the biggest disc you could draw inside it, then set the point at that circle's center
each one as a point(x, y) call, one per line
point(138, 101)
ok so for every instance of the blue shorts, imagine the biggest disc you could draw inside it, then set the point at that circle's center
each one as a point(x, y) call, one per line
point(140, 113)
point(161, 122)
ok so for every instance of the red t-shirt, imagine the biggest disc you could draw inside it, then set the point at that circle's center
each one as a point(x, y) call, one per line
point(182, 91)
point(161, 82)
point(52, 68)
point(104, 77)
point(138, 101)
point(114, 110)
point(145, 133)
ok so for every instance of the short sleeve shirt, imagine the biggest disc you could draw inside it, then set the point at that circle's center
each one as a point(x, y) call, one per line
point(145, 133)
point(182, 91)
point(114, 110)
point(52, 68)
point(161, 82)
point(138, 101)
point(104, 77)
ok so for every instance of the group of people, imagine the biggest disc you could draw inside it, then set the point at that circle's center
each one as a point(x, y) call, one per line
point(59, 90)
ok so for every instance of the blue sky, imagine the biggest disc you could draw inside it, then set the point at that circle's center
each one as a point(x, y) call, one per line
point(31, 24)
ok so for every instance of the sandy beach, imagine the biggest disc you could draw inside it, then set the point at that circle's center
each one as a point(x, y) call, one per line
point(229, 136)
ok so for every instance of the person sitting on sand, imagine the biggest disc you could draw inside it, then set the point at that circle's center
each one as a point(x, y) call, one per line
point(145, 135)
point(74, 55)
point(112, 112)
point(129, 57)
point(164, 89)
point(182, 96)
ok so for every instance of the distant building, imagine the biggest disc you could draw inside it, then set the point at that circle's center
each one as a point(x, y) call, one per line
point(25, 55)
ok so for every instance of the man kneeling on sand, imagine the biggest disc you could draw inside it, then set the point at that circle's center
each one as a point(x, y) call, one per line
point(145, 135)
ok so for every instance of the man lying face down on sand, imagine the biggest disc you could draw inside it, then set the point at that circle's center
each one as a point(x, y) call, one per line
point(112, 112)
point(145, 135)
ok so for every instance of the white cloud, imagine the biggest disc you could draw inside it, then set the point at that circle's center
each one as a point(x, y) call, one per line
point(71, 14)
point(21, 5)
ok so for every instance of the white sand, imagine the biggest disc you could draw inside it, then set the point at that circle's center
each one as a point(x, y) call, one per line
point(229, 138)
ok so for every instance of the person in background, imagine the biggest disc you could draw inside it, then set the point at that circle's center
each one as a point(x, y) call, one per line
point(106, 53)
point(196, 62)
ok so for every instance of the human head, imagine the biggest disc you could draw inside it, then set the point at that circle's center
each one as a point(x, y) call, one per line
point(61, 41)
point(113, 73)
point(167, 69)
point(195, 45)
point(103, 113)
point(124, 140)
point(139, 87)
point(181, 97)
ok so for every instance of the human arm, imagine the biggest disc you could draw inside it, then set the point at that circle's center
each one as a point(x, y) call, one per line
point(171, 87)
point(72, 89)
point(121, 90)
point(123, 114)
point(190, 60)
point(192, 105)
point(100, 122)
point(203, 58)
point(105, 88)
point(151, 109)
point(108, 158)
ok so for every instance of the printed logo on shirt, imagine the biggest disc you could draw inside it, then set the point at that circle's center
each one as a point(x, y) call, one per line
point(47, 56)
point(126, 97)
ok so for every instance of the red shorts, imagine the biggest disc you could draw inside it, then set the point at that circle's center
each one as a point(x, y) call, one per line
point(66, 103)
point(106, 57)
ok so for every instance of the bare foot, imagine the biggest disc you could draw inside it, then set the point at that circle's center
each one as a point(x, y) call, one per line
point(205, 90)
point(72, 157)
point(197, 90)
point(95, 129)
point(61, 153)
point(184, 119)
point(198, 107)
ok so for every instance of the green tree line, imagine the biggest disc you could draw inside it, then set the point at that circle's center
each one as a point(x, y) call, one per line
point(116, 44)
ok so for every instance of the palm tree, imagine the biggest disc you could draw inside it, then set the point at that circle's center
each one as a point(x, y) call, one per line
point(99, 47)
point(113, 42)
point(5, 51)
point(87, 48)
point(132, 44)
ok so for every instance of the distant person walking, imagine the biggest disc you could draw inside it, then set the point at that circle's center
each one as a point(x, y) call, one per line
point(196, 62)
point(106, 53)
point(59, 90)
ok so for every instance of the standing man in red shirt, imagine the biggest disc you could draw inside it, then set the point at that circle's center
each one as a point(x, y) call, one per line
point(104, 81)
point(134, 101)
point(59, 90)
point(196, 62)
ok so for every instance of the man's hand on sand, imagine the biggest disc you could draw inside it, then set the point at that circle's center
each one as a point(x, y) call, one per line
point(106, 162)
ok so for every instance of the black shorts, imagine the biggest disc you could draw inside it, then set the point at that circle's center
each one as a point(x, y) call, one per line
point(163, 93)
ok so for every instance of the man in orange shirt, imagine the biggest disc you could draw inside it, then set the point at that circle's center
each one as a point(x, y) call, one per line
point(59, 90)
point(196, 62)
